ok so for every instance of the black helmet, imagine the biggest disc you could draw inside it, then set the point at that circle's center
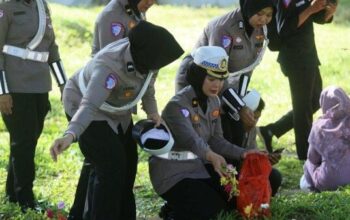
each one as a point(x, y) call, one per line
point(154, 140)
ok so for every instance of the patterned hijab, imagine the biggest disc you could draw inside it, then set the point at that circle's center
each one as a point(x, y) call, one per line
point(330, 134)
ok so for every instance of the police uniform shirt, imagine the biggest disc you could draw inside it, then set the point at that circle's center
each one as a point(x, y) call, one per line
point(228, 32)
point(18, 25)
point(112, 24)
point(193, 131)
point(109, 77)
point(298, 49)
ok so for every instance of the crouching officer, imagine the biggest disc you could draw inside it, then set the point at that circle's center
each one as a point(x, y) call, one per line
point(112, 24)
point(193, 116)
point(25, 81)
point(100, 98)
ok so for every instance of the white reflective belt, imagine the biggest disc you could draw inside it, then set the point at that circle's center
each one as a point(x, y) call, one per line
point(257, 61)
point(26, 54)
point(178, 155)
point(41, 27)
point(113, 109)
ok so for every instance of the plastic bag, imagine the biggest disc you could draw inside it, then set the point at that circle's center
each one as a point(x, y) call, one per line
point(254, 187)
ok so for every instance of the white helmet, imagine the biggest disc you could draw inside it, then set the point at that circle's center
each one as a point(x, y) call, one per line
point(154, 140)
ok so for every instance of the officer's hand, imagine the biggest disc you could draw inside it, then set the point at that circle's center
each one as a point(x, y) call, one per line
point(330, 10)
point(253, 151)
point(247, 117)
point(6, 104)
point(318, 5)
point(60, 145)
point(217, 161)
point(155, 117)
point(274, 158)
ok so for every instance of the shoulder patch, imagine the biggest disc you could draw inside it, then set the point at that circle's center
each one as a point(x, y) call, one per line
point(116, 29)
point(226, 41)
point(1, 13)
point(111, 81)
point(185, 112)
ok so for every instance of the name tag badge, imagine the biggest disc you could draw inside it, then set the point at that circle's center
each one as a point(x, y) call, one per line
point(237, 47)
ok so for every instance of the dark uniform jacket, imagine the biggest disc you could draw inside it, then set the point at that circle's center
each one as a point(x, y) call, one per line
point(18, 26)
point(298, 49)
point(195, 131)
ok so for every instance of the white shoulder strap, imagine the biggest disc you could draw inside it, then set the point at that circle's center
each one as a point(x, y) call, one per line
point(257, 61)
point(113, 109)
point(42, 25)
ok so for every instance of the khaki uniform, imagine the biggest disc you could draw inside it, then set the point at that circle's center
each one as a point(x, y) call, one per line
point(112, 24)
point(17, 28)
point(28, 83)
point(228, 32)
point(97, 74)
point(192, 131)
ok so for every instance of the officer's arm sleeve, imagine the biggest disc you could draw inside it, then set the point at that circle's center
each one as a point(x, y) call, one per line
point(96, 94)
point(59, 73)
point(95, 42)
point(108, 29)
point(149, 102)
point(56, 64)
point(203, 39)
point(4, 25)
point(179, 122)
point(221, 38)
point(223, 147)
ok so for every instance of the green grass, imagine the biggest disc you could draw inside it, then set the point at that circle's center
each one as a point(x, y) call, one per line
point(73, 26)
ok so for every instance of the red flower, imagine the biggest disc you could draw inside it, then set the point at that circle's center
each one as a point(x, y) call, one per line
point(61, 217)
point(49, 213)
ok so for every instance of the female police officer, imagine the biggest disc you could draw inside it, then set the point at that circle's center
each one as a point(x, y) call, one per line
point(242, 33)
point(27, 51)
point(193, 116)
point(299, 62)
point(112, 24)
point(116, 20)
point(120, 74)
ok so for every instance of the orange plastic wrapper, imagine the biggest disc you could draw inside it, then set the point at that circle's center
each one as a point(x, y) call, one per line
point(254, 187)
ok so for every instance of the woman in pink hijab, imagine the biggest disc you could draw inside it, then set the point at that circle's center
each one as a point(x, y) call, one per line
point(328, 164)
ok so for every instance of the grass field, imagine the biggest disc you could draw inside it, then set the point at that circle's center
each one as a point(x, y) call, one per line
point(56, 182)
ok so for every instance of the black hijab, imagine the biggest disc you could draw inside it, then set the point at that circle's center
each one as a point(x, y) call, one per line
point(133, 6)
point(152, 47)
point(249, 8)
point(195, 77)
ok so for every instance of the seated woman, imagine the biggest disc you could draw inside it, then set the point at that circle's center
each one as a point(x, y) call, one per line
point(193, 116)
point(328, 163)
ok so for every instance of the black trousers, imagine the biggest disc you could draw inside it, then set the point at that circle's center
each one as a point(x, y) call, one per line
point(194, 199)
point(81, 208)
point(25, 125)
point(114, 160)
point(305, 87)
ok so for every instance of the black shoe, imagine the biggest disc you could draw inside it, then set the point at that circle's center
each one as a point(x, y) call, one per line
point(166, 212)
point(266, 135)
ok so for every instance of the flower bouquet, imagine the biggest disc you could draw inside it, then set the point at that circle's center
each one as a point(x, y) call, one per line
point(229, 181)
point(57, 213)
